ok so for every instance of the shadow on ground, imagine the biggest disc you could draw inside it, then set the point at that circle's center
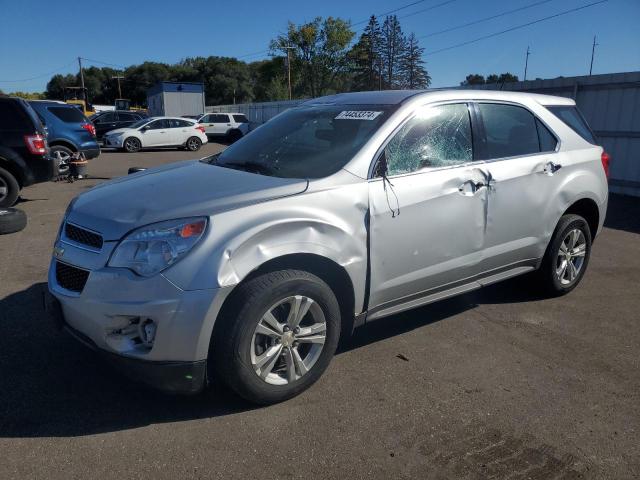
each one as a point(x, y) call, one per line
point(50, 385)
point(623, 213)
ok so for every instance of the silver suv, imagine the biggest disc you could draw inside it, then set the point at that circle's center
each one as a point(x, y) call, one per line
point(248, 266)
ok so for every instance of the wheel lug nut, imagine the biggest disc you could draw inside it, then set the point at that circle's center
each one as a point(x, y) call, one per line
point(286, 328)
point(296, 330)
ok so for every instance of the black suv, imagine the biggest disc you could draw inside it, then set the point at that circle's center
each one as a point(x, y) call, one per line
point(24, 152)
point(111, 120)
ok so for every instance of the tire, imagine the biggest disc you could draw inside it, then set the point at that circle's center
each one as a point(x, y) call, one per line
point(556, 272)
point(12, 220)
point(131, 145)
point(238, 344)
point(62, 155)
point(9, 189)
point(234, 136)
point(193, 144)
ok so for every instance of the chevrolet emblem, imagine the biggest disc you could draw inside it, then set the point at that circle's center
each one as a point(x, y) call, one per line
point(58, 251)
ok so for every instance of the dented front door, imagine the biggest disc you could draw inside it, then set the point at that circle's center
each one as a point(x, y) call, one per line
point(429, 237)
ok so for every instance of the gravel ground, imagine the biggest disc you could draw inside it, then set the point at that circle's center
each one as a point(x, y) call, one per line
point(499, 383)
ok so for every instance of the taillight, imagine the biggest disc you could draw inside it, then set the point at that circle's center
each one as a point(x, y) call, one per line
point(606, 159)
point(200, 127)
point(37, 144)
point(89, 128)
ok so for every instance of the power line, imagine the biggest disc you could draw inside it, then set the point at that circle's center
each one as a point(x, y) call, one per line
point(484, 37)
point(103, 63)
point(432, 7)
point(403, 7)
point(39, 76)
point(485, 19)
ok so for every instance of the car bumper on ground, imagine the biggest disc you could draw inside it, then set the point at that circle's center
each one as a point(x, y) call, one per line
point(110, 312)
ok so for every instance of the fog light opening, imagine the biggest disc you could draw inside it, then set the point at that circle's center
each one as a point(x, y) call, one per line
point(147, 331)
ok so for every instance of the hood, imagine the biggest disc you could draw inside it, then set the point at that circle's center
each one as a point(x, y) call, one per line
point(177, 190)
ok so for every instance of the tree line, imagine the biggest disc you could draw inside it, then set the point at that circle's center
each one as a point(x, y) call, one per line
point(323, 58)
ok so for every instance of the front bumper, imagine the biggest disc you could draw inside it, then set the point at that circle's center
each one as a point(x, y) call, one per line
point(170, 377)
point(112, 142)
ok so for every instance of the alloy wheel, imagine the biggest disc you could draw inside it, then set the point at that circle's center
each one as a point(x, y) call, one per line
point(288, 340)
point(4, 189)
point(571, 255)
point(193, 144)
point(63, 158)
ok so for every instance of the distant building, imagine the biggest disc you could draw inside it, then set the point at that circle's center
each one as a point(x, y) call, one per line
point(175, 99)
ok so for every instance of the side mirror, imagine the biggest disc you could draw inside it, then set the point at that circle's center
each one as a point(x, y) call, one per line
point(145, 128)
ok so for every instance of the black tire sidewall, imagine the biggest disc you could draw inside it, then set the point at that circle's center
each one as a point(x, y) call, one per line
point(12, 220)
point(253, 300)
point(13, 186)
point(566, 224)
point(126, 149)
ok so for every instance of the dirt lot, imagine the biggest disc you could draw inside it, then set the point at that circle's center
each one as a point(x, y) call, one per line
point(494, 384)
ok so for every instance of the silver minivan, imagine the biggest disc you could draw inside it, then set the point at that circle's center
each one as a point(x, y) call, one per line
point(250, 265)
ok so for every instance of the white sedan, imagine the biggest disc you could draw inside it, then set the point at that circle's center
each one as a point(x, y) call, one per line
point(158, 132)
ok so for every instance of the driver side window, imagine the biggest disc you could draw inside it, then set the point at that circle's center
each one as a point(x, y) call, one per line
point(437, 136)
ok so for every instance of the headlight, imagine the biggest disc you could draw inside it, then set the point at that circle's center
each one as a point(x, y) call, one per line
point(150, 249)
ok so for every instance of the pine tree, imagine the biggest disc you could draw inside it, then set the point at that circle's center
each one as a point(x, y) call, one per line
point(364, 57)
point(392, 49)
point(412, 70)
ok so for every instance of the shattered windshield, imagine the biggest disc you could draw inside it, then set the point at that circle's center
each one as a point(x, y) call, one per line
point(305, 142)
point(437, 136)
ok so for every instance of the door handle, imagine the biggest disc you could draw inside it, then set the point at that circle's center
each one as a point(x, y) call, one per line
point(550, 168)
point(469, 188)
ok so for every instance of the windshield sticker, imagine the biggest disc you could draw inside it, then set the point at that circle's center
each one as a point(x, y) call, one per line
point(357, 115)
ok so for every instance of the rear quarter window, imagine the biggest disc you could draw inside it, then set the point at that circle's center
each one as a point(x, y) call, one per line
point(68, 114)
point(572, 117)
point(12, 117)
point(240, 119)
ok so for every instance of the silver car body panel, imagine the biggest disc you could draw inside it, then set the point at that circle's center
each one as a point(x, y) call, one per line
point(441, 243)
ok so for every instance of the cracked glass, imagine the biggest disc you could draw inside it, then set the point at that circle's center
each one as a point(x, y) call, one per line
point(438, 136)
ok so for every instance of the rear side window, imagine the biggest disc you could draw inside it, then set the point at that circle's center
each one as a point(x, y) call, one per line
point(240, 119)
point(11, 116)
point(218, 118)
point(68, 114)
point(438, 136)
point(574, 119)
point(510, 130)
point(127, 117)
point(548, 142)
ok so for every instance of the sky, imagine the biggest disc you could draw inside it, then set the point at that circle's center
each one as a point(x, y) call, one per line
point(41, 37)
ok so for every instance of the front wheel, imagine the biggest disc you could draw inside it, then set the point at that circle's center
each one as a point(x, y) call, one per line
point(132, 145)
point(567, 255)
point(277, 336)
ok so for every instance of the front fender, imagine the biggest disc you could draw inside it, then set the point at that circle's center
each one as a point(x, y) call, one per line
point(329, 223)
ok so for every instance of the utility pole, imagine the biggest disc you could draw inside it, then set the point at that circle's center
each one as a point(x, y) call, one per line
point(118, 77)
point(288, 49)
point(82, 79)
point(526, 63)
point(593, 51)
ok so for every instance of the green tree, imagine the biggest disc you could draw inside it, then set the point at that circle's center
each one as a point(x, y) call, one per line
point(27, 95)
point(55, 86)
point(365, 59)
point(392, 50)
point(473, 79)
point(412, 70)
point(319, 51)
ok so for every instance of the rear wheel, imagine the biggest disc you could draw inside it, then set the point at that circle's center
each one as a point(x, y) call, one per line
point(9, 188)
point(567, 256)
point(62, 155)
point(277, 336)
point(193, 144)
point(132, 145)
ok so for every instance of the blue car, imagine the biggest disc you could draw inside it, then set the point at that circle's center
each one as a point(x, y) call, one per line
point(68, 131)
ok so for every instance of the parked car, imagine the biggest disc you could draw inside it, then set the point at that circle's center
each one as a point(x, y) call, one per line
point(68, 131)
point(249, 265)
point(232, 126)
point(24, 153)
point(158, 132)
point(114, 119)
